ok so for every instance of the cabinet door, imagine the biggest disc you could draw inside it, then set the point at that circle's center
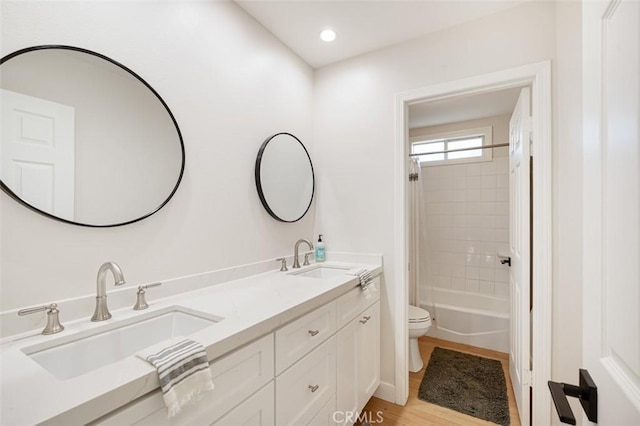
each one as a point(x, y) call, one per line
point(348, 341)
point(326, 416)
point(368, 354)
point(256, 410)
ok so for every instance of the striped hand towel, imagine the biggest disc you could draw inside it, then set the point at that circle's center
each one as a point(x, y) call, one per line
point(366, 282)
point(183, 371)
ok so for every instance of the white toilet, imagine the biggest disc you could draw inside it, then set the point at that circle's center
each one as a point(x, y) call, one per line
point(419, 325)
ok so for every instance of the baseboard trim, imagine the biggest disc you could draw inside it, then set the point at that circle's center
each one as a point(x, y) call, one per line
point(386, 391)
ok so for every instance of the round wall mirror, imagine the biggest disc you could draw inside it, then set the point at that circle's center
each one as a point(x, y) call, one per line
point(284, 177)
point(84, 139)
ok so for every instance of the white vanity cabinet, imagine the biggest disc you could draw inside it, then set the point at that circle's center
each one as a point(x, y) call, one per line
point(304, 373)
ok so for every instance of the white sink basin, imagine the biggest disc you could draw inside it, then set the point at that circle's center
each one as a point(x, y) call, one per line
point(65, 358)
point(322, 272)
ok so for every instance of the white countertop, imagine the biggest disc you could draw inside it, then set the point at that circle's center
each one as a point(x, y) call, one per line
point(251, 307)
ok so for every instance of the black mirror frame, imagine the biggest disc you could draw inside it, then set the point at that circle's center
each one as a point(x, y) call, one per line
point(259, 183)
point(9, 192)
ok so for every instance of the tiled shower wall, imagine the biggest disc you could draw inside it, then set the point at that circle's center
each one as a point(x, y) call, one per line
point(467, 220)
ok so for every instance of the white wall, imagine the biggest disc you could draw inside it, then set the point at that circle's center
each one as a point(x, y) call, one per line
point(230, 85)
point(467, 218)
point(354, 137)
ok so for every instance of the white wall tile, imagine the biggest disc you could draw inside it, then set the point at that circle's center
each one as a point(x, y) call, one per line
point(502, 208)
point(446, 220)
point(487, 274)
point(459, 221)
point(487, 288)
point(502, 221)
point(458, 271)
point(459, 208)
point(502, 165)
point(474, 182)
point(488, 194)
point(501, 290)
point(473, 272)
point(458, 258)
point(459, 170)
point(489, 168)
point(459, 195)
point(502, 235)
point(444, 282)
point(488, 261)
point(467, 221)
point(489, 181)
point(474, 169)
point(474, 195)
point(501, 275)
point(459, 182)
point(473, 286)
point(459, 284)
point(472, 260)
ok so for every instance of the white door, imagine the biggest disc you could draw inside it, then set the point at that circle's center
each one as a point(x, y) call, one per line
point(519, 247)
point(611, 289)
point(37, 154)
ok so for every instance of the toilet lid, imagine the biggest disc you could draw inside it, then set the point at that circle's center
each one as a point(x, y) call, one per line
point(418, 314)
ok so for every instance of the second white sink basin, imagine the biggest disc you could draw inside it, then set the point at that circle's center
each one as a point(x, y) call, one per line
point(96, 348)
point(322, 271)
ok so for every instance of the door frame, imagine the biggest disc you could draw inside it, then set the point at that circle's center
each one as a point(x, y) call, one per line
point(538, 77)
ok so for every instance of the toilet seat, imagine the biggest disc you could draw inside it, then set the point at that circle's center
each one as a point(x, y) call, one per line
point(418, 315)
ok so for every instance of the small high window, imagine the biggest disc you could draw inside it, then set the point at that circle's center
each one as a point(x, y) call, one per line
point(442, 148)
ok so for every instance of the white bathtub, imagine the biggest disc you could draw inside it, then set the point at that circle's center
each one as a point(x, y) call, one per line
point(472, 319)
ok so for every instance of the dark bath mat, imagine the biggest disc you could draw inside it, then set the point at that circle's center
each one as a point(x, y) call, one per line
point(466, 383)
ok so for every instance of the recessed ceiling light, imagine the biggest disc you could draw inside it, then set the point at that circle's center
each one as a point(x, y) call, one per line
point(328, 35)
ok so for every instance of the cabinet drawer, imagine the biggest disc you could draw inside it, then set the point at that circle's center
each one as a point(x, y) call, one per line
point(235, 376)
point(354, 302)
point(304, 389)
point(327, 415)
point(298, 338)
point(258, 409)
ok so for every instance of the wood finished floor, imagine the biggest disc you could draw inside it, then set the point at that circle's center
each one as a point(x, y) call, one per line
point(421, 413)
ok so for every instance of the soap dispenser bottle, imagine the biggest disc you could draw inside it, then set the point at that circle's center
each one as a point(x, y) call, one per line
point(320, 253)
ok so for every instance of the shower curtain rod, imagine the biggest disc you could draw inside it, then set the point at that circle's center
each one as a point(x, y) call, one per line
point(498, 145)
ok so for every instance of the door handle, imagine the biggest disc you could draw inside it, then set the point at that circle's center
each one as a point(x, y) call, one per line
point(506, 261)
point(587, 392)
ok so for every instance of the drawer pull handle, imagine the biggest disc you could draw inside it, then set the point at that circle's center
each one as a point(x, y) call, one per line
point(366, 318)
point(314, 332)
point(314, 388)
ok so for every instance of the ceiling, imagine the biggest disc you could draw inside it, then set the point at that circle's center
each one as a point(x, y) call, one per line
point(362, 25)
point(463, 108)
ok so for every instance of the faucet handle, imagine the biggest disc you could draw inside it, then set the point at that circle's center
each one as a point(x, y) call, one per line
point(141, 303)
point(53, 320)
point(306, 259)
point(283, 266)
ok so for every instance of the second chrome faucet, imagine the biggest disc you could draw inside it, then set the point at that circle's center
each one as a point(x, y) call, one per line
point(296, 261)
point(102, 310)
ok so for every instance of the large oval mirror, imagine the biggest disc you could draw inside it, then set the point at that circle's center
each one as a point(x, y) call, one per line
point(284, 177)
point(85, 140)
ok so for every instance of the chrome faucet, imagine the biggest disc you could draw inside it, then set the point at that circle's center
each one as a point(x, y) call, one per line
point(296, 262)
point(102, 311)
